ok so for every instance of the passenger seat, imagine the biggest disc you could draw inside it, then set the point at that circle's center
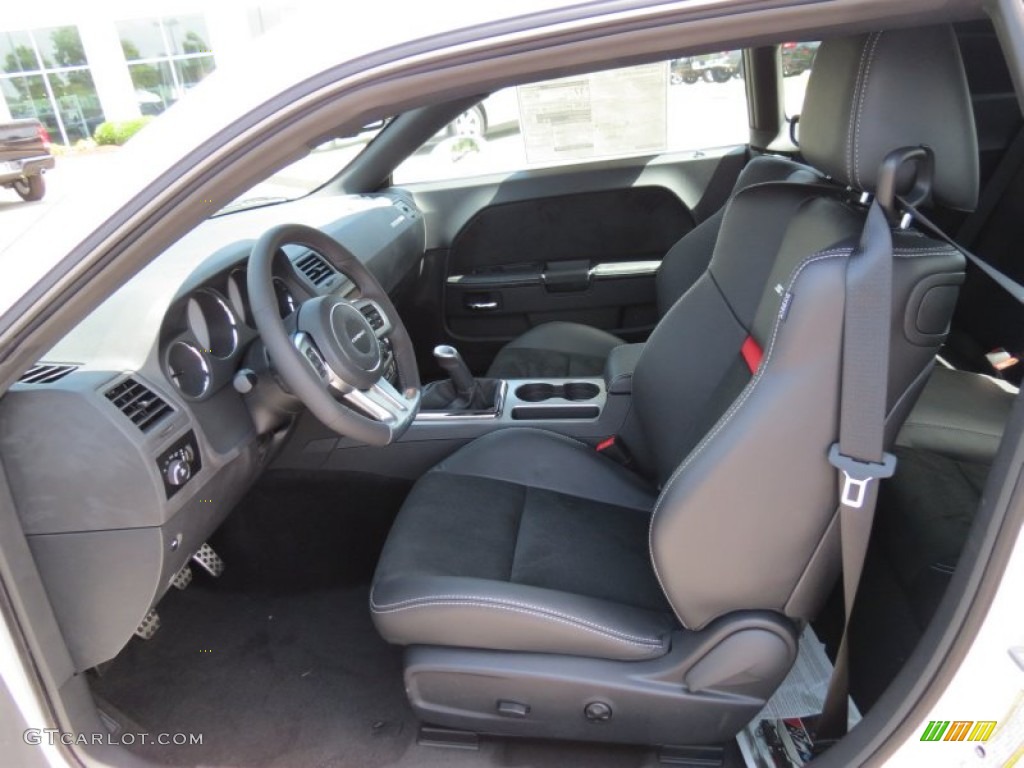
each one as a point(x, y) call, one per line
point(560, 349)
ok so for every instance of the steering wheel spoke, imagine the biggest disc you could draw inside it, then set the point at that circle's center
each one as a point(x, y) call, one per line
point(308, 349)
point(382, 402)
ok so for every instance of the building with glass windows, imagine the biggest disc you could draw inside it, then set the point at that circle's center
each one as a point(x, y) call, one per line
point(74, 65)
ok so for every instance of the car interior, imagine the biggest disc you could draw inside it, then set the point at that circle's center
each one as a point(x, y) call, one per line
point(531, 468)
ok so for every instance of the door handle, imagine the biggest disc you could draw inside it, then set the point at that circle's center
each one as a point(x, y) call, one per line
point(482, 306)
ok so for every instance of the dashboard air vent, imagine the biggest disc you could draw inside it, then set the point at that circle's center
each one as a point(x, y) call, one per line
point(313, 266)
point(46, 373)
point(372, 315)
point(138, 403)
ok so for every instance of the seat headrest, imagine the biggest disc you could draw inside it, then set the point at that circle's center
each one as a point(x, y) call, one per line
point(874, 93)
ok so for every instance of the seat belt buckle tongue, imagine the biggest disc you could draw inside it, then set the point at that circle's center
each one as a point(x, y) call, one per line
point(857, 475)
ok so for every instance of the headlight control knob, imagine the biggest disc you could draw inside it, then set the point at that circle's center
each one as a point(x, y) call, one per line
point(178, 471)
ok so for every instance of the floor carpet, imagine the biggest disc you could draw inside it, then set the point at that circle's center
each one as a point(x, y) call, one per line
point(277, 663)
point(293, 680)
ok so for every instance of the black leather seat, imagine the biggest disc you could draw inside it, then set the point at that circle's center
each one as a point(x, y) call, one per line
point(532, 576)
point(484, 550)
point(561, 349)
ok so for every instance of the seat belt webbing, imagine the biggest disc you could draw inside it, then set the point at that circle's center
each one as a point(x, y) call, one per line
point(1003, 280)
point(1006, 170)
point(860, 455)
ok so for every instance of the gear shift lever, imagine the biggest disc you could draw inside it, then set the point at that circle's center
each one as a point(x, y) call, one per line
point(451, 361)
point(460, 392)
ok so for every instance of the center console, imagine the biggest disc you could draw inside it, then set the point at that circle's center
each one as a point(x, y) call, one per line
point(530, 400)
point(463, 407)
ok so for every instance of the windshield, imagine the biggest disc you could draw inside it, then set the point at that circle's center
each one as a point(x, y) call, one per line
point(306, 174)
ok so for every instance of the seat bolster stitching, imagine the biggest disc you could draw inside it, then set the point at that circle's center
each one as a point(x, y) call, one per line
point(733, 409)
point(537, 614)
point(853, 111)
point(860, 107)
point(514, 606)
point(928, 251)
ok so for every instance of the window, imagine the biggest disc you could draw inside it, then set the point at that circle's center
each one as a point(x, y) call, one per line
point(694, 103)
point(45, 75)
point(166, 56)
point(308, 173)
point(797, 60)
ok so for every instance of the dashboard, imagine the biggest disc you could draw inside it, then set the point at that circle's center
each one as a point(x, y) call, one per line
point(207, 332)
point(159, 411)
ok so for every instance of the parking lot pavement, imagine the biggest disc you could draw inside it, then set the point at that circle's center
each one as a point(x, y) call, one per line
point(70, 172)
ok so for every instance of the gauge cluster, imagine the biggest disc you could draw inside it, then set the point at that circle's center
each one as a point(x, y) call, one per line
point(207, 331)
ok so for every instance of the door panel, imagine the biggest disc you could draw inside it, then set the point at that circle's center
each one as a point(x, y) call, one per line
point(580, 243)
point(515, 265)
point(607, 225)
point(499, 310)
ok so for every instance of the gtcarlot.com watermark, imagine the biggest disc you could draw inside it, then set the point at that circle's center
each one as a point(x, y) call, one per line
point(52, 737)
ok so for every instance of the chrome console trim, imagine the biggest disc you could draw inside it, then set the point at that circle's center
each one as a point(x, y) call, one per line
point(490, 413)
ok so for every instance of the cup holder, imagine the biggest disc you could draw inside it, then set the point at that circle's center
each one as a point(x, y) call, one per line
point(580, 390)
point(534, 393)
point(573, 390)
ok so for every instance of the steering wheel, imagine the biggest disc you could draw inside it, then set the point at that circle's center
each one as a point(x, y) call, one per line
point(331, 355)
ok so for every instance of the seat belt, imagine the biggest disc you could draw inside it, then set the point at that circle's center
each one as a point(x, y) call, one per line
point(1001, 279)
point(859, 455)
point(1004, 174)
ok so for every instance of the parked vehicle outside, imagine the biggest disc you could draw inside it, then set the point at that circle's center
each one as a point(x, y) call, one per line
point(497, 114)
point(24, 157)
point(683, 71)
point(797, 58)
point(718, 67)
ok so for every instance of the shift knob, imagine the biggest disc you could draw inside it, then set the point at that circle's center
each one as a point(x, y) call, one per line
point(451, 361)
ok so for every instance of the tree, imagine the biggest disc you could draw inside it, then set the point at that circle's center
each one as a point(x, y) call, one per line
point(67, 47)
point(21, 59)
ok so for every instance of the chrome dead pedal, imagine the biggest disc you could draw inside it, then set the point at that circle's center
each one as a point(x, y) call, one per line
point(182, 578)
point(150, 624)
point(209, 560)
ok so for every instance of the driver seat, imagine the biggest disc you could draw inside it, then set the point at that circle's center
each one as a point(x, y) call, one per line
point(544, 590)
